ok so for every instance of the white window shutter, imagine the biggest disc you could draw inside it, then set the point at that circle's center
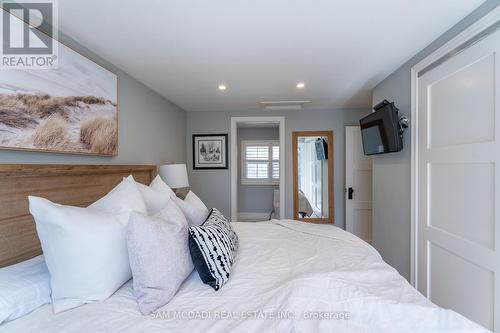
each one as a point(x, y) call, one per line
point(260, 162)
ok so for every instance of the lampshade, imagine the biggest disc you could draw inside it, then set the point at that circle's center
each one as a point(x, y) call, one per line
point(175, 175)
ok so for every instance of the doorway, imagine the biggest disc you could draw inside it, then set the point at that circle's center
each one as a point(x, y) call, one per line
point(257, 168)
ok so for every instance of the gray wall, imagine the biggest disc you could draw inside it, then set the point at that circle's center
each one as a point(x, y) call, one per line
point(391, 172)
point(214, 186)
point(151, 129)
point(255, 198)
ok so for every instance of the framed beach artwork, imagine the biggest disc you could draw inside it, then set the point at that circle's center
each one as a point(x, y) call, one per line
point(70, 109)
point(210, 151)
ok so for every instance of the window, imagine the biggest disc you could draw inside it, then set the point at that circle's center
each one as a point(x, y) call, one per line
point(260, 162)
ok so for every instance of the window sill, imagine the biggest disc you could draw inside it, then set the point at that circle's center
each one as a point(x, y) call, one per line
point(262, 183)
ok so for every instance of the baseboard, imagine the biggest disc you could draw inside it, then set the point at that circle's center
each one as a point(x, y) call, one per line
point(253, 217)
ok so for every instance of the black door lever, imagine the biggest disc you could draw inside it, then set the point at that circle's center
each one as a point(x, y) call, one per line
point(350, 191)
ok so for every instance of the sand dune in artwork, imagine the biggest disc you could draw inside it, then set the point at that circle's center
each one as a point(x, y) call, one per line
point(85, 124)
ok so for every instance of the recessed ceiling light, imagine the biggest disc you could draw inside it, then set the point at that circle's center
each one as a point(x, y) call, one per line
point(301, 85)
point(222, 87)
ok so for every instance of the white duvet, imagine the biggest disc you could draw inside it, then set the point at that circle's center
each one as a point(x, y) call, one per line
point(288, 277)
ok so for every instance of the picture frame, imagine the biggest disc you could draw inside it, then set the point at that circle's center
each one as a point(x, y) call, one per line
point(70, 109)
point(210, 151)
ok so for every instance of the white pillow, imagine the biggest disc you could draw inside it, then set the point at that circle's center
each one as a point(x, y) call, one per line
point(159, 185)
point(85, 249)
point(24, 287)
point(193, 208)
point(155, 199)
point(121, 200)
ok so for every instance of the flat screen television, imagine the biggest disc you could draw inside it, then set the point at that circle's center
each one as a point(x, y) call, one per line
point(380, 130)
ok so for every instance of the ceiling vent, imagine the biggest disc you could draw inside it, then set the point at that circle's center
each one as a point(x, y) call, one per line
point(283, 105)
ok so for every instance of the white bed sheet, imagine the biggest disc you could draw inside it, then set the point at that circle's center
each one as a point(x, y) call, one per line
point(285, 273)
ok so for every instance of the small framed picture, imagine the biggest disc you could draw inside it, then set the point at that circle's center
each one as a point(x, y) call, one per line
point(209, 151)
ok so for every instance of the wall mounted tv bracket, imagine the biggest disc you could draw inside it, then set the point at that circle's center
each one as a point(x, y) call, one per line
point(403, 121)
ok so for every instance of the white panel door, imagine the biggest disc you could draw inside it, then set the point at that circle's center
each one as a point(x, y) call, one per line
point(458, 197)
point(358, 192)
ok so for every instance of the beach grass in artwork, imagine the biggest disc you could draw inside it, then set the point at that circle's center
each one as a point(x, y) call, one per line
point(82, 124)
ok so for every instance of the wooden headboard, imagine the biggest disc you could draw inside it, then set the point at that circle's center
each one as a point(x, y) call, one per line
point(76, 185)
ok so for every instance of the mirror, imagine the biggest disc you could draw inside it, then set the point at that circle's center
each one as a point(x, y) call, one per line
point(313, 176)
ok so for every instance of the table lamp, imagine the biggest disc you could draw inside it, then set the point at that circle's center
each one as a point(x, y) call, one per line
point(175, 175)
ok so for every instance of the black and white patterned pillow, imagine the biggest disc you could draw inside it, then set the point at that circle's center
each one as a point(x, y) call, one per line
point(213, 247)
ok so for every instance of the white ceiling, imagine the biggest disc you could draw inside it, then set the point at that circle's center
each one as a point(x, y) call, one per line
point(260, 49)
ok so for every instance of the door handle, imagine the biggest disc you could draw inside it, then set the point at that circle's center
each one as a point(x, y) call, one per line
point(350, 191)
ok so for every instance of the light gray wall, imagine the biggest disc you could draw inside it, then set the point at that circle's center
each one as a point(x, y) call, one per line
point(255, 198)
point(214, 186)
point(391, 172)
point(151, 129)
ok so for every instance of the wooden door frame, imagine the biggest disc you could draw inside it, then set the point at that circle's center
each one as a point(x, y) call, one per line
point(330, 138)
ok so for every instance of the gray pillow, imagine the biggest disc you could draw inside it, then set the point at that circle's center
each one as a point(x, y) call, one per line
point(159, 256)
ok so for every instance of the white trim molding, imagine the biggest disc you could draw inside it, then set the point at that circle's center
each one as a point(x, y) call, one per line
point(447, 50)
point(234, 159)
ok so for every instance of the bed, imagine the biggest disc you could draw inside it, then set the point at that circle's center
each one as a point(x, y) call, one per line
point(288, 276)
